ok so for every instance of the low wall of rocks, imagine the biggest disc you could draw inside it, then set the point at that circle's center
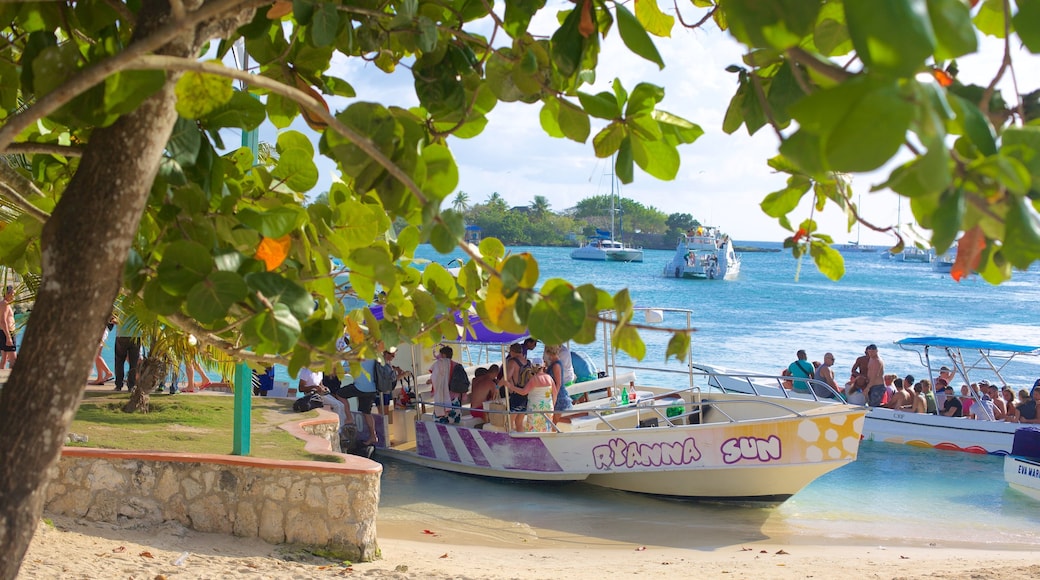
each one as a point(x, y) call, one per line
point(330, 506)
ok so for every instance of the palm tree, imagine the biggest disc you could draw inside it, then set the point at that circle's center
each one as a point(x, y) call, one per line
point(540, 206)
point(495, 201)
point(461, 202)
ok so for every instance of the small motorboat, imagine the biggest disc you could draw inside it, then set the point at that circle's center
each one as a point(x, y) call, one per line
point(1022, 467)
point(704, 253)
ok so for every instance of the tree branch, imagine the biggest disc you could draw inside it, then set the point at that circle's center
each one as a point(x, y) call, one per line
point(94, 74)
point(45, 149)
point(824, 67)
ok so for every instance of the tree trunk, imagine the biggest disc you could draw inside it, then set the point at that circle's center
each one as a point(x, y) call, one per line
point(149, 372)
point(83, 249)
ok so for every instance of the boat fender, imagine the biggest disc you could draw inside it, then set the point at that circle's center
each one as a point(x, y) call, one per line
point(678, 271)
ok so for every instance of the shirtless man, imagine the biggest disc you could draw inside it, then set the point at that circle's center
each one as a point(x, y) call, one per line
point(859, 373)
point(902, 398)
point(920, 403)
point(875, 377)
point(826, 374)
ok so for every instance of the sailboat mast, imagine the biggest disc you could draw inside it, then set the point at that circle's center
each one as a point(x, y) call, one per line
point(612, 209)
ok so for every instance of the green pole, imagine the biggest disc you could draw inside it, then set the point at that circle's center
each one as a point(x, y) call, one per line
point(243, 374)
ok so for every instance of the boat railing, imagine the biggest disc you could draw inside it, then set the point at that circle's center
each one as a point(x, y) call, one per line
point(756, 384)
point(665, 408)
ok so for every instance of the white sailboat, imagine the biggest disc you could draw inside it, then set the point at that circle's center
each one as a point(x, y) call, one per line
point(601, 248)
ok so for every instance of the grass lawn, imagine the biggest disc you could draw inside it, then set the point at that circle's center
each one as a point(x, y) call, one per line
point(189, 423)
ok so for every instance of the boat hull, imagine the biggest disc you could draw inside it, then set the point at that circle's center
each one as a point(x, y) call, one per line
point(949, 433)
point(1023, 475)
point(627, 255)
point(760, 458)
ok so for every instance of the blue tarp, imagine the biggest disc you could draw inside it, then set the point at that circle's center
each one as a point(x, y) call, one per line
point(945, 342)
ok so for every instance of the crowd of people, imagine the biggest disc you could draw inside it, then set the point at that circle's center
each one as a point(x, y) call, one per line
point(870, 385)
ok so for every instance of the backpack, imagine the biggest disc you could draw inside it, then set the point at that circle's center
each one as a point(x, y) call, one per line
point(385, 378)
point(526, 374)
point(308, 402)
point(458, 380)
point(350, 441)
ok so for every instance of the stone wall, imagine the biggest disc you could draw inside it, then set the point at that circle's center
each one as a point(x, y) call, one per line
point(331, 506)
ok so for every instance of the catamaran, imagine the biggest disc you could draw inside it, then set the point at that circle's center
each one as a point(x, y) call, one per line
point(604, 247)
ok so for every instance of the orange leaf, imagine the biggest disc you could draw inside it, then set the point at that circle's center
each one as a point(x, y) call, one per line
point(279, 9)
point(969, 252)
point(428, 532)
point(942, 77)
point(146, 555)
point(444, 555)
point(357, 336)
point(119, 549)
point(801, 233)
point(587, 24)
point(273, 251)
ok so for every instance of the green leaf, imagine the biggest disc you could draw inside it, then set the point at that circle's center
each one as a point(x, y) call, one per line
point(440, 282)
point(278, 290)
point(568, 44)
point(653, 20)
point(184, 264)
point(159, 301)
point(275, 222)
point(891, 36)
point(678, 346)
point(946, 222)
point(643, 99)
point(548, 117)
point(635, 37)
point(971, 123)
point(954, 32)
point(1027, 23)
point(442, 175)
point(574, 122)
point(324, 23)
point(210, 300)
point(295, 167)
point(602, 105)
point(627, 339)
point(492, 249)
point(990, 18)
point(273, 332)
point(559, 315)
point(126, 90)
point(858, 142)
point(243, 111)
point(782, 202)
point(657, 158)
point(1022, 233)
point(828, 260)
point(1023, 144)
point(200, 93)
point(770, 23)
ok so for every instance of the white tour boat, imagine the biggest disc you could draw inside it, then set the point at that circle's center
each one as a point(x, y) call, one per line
point(673, 439)
point(704, 253)
point(1022, 467)
point(965, 357)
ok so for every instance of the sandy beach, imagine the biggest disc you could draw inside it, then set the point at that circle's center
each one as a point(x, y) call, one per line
point(70, 549)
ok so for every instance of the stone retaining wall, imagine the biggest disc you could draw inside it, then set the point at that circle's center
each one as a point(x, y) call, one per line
point(331, 506)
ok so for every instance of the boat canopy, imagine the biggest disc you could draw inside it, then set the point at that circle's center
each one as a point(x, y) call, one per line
point(480, 334)
point(946, 342)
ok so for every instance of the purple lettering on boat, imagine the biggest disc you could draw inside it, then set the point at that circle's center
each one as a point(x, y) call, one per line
point(619, 452)
point(752, 449)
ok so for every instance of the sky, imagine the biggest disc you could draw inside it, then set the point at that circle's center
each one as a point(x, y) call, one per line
point(722, 178)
